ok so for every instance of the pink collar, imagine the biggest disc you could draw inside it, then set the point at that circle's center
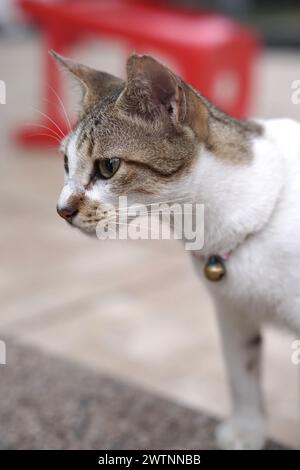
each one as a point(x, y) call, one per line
point(226, 255)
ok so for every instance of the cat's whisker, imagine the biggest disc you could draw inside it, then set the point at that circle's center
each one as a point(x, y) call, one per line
point(172, 213)
point(49, 135)
point(146, 227)
point(50, 119)
point(63, 108)
point(158, 212)
point(182, 199)
point(47, 128)
point(154, 204)
point(154, 211)
point(114, 220)
point(48, 101)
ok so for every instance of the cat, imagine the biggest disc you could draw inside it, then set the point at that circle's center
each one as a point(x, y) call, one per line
point(154, 137)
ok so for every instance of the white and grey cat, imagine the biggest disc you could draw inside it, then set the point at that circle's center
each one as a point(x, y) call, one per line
point(154, 137)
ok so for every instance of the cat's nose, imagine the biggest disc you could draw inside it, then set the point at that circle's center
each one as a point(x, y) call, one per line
point(67, 212)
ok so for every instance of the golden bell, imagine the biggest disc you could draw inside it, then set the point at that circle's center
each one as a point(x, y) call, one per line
point(214, 269)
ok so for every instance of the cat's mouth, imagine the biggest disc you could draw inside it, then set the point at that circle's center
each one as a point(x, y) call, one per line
point(73, 217)
point(87, 220)
point(85, 226)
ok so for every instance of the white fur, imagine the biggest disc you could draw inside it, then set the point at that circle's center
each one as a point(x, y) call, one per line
point(260, 200)
point(71, 185)
point(74, 184)
point(253, 210)
point(64, 196)
point(72, 152)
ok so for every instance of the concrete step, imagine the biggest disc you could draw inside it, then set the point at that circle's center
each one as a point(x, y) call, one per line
point(51, 403)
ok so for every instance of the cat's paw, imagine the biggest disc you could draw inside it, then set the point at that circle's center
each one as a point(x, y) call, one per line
point(241, 434)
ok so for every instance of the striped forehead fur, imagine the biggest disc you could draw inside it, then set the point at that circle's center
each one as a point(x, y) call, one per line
point(151, 151)
point(107, 129)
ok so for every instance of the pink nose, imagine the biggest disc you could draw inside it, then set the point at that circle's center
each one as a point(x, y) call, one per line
point(67, 212)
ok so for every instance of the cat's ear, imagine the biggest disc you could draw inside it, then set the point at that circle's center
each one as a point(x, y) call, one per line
point(95, 84)
point(154, 92)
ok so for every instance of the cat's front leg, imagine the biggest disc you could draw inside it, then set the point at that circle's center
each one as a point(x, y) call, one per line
point(245, 429)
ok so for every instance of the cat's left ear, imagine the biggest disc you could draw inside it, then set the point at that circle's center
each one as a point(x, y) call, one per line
point(152, 91)
point(95, 84)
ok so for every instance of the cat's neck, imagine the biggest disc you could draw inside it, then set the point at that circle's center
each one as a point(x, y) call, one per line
point(239, 197)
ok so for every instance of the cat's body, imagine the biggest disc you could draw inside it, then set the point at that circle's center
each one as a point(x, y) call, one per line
point(256, 218)
point(263, 276)
point(155, 138)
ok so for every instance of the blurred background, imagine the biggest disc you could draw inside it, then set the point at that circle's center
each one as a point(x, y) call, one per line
point(132, 309)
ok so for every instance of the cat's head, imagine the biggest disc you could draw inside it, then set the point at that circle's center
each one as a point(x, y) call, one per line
point(138, 138)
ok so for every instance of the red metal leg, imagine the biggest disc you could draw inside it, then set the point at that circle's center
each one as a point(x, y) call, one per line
point(211, 52)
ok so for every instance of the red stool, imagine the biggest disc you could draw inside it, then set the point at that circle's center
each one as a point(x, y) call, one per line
point(212, 52)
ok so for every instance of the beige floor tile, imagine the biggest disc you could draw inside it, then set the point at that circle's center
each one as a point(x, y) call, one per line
point(166, 339)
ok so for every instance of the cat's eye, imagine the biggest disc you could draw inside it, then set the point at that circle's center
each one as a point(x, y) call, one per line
point(66, 164)
point(108, 167)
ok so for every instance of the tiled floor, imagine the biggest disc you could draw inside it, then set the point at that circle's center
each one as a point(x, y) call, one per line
point(134, 309)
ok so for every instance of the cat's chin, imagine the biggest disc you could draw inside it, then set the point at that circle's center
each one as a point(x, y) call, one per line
point(91, 233)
